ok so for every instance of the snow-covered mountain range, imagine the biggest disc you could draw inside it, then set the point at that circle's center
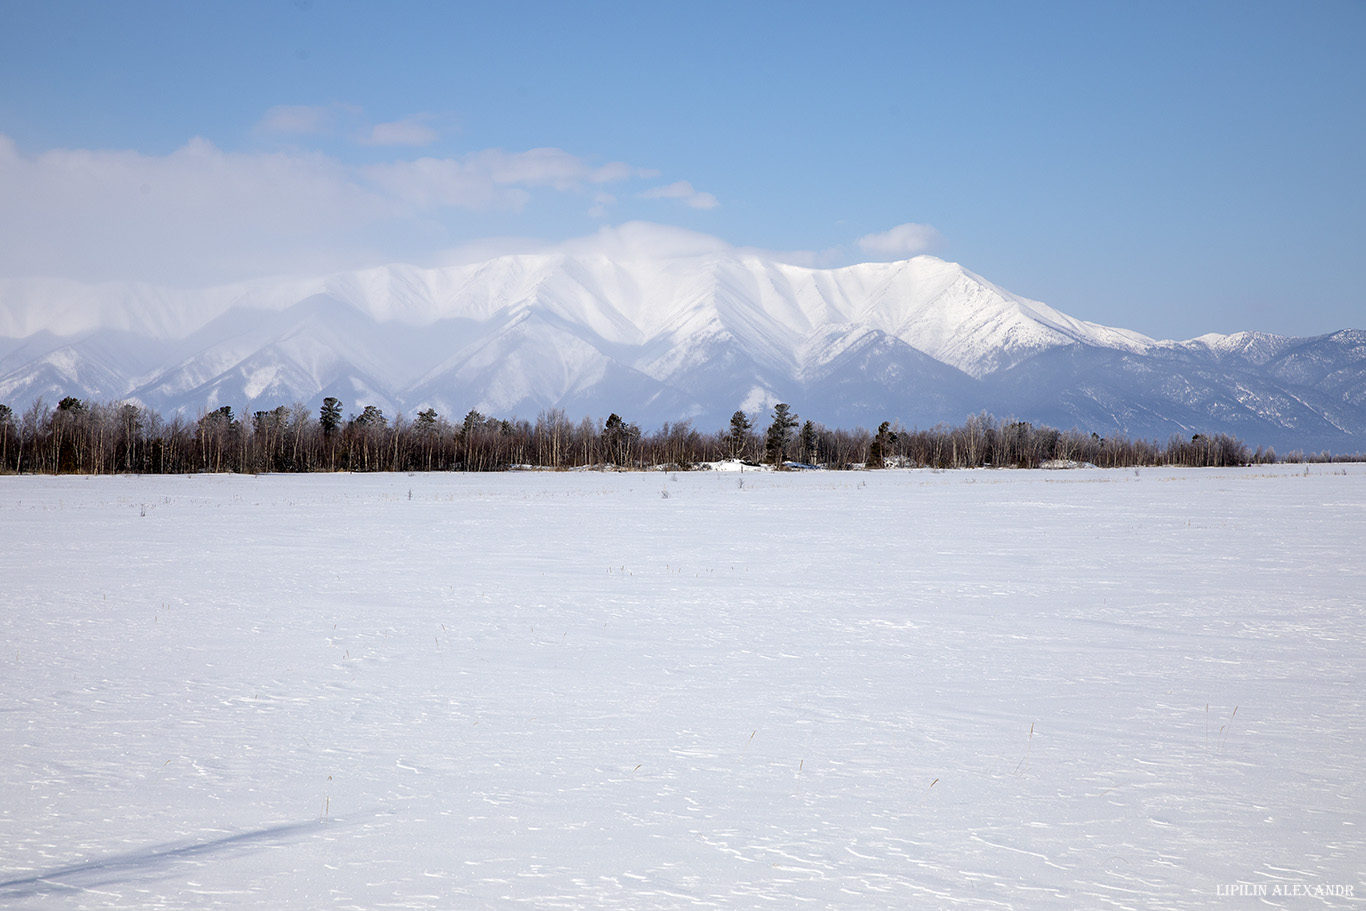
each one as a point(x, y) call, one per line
point(660, 339)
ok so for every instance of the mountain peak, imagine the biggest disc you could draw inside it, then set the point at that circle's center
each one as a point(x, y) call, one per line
point(666, 325)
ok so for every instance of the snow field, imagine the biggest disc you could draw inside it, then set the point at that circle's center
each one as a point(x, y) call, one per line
point(984, 689)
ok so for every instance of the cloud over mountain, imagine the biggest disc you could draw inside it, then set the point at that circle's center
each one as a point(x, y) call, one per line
point(682, 191)
point(201, 215)
point(664, 325)
point(902, 241)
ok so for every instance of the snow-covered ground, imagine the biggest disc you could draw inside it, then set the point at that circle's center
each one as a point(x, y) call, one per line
point(977, 689)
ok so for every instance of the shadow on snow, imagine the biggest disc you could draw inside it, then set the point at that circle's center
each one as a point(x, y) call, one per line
point(150, 861)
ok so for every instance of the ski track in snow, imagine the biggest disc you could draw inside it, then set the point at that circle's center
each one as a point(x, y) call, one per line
point(975, 689)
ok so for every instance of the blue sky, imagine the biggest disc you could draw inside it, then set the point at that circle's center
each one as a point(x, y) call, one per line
point(1172, 168)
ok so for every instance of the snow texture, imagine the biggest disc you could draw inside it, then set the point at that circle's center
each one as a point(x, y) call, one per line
point(976, 689)
point(660, 339)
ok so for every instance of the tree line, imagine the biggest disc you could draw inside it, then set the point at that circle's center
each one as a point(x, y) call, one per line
point(116, 438)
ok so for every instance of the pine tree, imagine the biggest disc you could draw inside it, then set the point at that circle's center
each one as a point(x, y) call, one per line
point(330, 415)
point(880, 447)
point(809, 441)
point(330, 418)
point(779, 435)
point(618, 438)
point(738, 440)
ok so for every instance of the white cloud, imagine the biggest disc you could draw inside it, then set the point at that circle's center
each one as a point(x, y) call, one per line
point(537, 167)
point(601, 203)
point(196, 214)
point(641, 240)
point(492, 179)
point(811, 259)
point(302, 119)
point(901, 242)
point(201, 215)
point(683, 191)
point(411, 131)
point(432, 183)
point(296, 120)
point(618, 171)
point(645, 240)
point(630, 240)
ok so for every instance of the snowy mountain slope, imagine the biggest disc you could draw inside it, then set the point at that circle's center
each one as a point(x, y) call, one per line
point(249, 356)
point(1252, 347)
point(98, 365)
point(854, 386)
point(1337, 360)
point(668, 338)
point(528, 363)
point(961, 319)
point(1173, 391)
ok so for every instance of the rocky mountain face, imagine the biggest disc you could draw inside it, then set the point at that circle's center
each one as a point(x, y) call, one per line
point(696, 338)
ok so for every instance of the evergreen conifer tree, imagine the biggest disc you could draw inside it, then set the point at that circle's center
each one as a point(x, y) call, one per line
point(738, 439)
point(779, 435)
point(808, 441)
point(880, 447)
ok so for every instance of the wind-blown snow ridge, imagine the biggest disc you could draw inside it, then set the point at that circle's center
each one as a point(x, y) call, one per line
point(695, 335)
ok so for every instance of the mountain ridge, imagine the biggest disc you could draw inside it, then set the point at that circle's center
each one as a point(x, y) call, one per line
point(921, 341)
